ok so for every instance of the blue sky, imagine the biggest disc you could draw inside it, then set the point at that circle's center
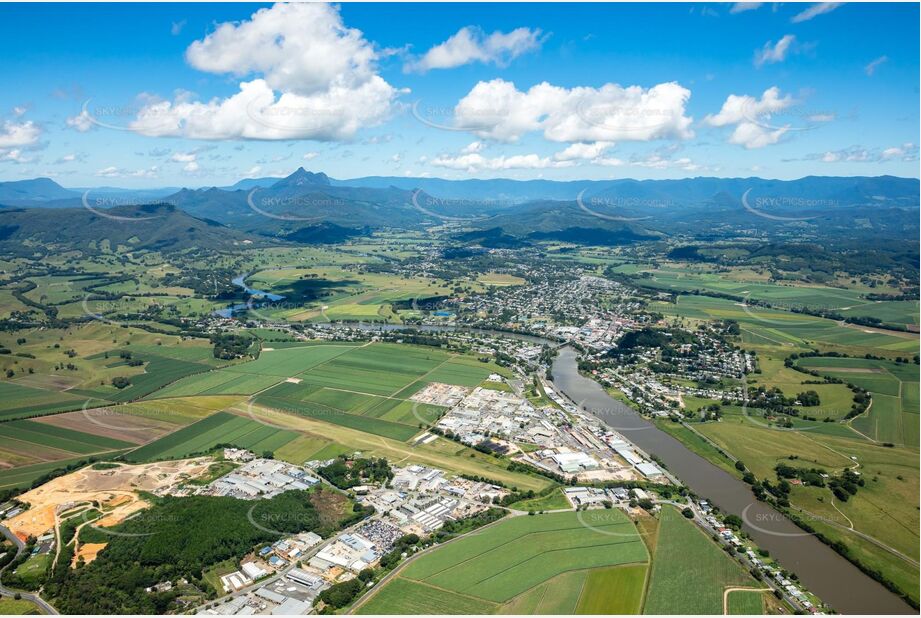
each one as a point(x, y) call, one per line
point(206, 94)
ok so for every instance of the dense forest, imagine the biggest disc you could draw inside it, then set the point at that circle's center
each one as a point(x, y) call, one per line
point(179, 538)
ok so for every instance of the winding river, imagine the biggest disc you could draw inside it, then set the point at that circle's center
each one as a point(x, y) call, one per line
point(835, 580)
point(232, 310)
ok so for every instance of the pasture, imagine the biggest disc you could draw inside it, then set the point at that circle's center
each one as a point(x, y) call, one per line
point(689, 571)
point(40, 358)
point(885, 508)
point(158, 371)
point(514, 556)
point(893, 416)
point(846, 302)
point(13, 607)
point(792, 331)
point(347, 293)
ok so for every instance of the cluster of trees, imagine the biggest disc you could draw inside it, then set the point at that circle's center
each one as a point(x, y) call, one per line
point(177, 538)
point(812, 476)
point(120, 382)
point(652, 338)
point(228, 346)
point(341, 594)
point(404, 545)
point(773, 399)
point(452, 528)
point(346, 473)
point(515, 466)
point(843, 486)
point(846, 485)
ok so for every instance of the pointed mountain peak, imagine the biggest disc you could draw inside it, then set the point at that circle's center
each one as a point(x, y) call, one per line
point(302, 177)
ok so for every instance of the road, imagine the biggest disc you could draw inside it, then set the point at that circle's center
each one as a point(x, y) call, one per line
point(43, 605)
point(278, 574)
point(741, 557)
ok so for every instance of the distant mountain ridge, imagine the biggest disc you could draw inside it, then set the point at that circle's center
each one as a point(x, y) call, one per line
point(846, 189)
point(36, 189)
point(311, 205)
point(156, 227)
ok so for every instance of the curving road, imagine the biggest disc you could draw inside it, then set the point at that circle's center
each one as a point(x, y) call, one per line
point(43, 605)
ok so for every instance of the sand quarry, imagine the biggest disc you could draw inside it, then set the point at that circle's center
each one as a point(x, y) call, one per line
point(113, 490)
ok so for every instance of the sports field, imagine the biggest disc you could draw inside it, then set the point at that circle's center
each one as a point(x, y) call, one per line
point(481, 572)
point(689, 571)
point(219, 428)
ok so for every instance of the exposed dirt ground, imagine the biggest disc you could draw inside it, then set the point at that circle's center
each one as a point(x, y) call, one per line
point(115, 490)
point(88, 551)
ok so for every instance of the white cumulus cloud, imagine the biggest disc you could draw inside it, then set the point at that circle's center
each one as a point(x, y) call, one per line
point(498, 110)
point(309, 77)
point(18, 134)
point(581, 150)
point(752, 118)
point(471, 44)
point(476, 162)
point(82, 122)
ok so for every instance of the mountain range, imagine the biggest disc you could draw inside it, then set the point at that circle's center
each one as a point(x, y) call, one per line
point(312, 207)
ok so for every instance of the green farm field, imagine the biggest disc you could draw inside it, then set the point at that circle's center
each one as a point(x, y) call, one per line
point(272, 366)
point(20, 401)
point(361, 387)
point(689, 571)
point(510, 558)
point(34, 436)
point(219, 428)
